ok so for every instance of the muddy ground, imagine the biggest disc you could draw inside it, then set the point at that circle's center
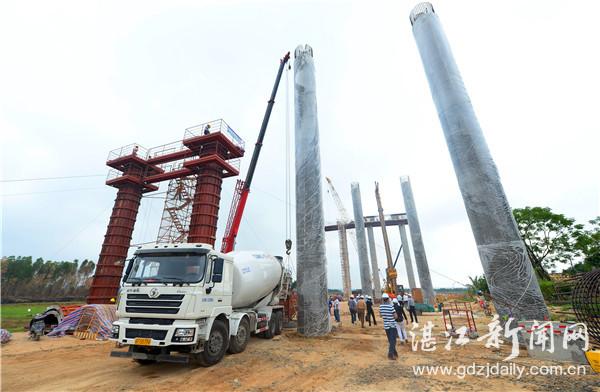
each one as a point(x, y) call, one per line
point(351, 358)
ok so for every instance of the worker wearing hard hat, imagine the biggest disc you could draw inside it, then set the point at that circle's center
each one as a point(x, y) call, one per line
point(399, 320)
point(411, 309)
point(352, 308)
point(386, 310)
point(370, 312)
point(360, 309)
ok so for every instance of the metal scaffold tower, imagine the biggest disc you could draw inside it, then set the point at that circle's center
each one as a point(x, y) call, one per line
point(175, 221)
point(343, 220)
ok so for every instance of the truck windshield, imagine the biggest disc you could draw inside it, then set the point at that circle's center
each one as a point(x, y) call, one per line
point(168, 268)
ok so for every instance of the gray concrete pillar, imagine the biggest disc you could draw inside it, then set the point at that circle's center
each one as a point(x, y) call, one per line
point(507, 267)
point(417, 241)
point(374, 266)
point(407, 259)
point(345, 260)
point(313, 312)
point(361, 240)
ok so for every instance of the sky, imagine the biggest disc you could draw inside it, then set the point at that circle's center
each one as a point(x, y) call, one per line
point(79, 79)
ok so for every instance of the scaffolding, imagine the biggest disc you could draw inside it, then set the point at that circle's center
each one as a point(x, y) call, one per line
point(344, 259)
point(175, 221)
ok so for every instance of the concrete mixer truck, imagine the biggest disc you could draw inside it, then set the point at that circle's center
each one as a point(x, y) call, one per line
point(188, 302)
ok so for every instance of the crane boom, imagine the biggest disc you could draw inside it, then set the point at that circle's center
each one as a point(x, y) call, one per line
point(391, 273)
point(242, 188)
point(343, 213)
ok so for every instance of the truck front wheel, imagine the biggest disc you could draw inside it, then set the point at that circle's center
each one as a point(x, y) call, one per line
point(238, 343)
point(215, 346)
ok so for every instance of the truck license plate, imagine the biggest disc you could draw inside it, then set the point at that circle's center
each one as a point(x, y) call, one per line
point(142, 341)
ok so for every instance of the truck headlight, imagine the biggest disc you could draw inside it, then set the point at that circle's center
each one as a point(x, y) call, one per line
point(115, 331)
point(184, 332)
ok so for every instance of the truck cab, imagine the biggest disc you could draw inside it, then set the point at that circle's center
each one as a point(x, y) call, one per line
point(175, 305)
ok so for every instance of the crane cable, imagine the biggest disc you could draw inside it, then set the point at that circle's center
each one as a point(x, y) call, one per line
point(288, 193)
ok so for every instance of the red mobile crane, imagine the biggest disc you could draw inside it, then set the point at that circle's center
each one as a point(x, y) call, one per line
point(242, 187)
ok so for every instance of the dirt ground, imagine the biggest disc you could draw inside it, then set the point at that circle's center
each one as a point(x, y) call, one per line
point(351, 358)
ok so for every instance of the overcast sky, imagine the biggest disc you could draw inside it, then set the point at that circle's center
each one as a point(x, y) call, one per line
point(80, 78)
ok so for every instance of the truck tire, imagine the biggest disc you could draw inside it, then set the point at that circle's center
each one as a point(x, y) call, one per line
point(269, 333)
point(215, 346)
point(279, 325)
point(238, 343)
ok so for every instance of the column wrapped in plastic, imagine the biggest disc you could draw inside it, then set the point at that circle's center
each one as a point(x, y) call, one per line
point(508, 270)
point(361, 240)
point(417, 241)
point(374, 266)
point(313, 312)
point(407, 260)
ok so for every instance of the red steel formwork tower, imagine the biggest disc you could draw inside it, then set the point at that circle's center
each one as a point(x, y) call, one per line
point(130, 184)
point(209, 151)
point(212, 152)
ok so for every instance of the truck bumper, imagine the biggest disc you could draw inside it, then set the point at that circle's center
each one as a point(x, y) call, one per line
point(158, 357)
point(158, 336)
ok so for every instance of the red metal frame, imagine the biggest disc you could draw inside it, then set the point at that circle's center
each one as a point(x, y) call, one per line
point(459, 309)
point(208, 156)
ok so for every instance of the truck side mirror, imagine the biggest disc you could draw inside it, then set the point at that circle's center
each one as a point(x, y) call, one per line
point(217, 275)
point(127, 270)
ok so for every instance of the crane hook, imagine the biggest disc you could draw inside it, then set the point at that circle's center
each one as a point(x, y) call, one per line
point(288, 246)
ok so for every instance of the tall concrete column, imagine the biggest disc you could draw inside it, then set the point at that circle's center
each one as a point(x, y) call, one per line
point(374, 266)
point(361, 240)
point(407, 260)
point(313, 312)
point(417, 241)
point(507, 267)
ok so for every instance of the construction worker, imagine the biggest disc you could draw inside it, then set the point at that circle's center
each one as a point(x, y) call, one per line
point(370, 313)
point(360, 309)
point(386, 310)
point(411, 309)
point(401, 304)
point(330, 304)
point(207, 129)
point(336, 309)
point(400, 320)
point(352, 308)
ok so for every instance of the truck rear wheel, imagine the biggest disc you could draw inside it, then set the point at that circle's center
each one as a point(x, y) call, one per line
point(279, 324)
point(215, 346)
point(269, 333)
point(238, 343)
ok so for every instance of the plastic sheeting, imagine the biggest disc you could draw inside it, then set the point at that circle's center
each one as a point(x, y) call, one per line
point(313, 311)
point(374, 266)
point(100, 323)
point(508, 270)
point(407, 260)
point(361, 240)
point(417, 241)
point(5, 336)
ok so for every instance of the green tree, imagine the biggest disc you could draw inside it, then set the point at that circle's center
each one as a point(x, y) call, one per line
point(478, 283)
point(549, 238)
point(587, 242)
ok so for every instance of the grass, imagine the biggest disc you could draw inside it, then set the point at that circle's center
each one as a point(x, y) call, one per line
point(14, 317)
